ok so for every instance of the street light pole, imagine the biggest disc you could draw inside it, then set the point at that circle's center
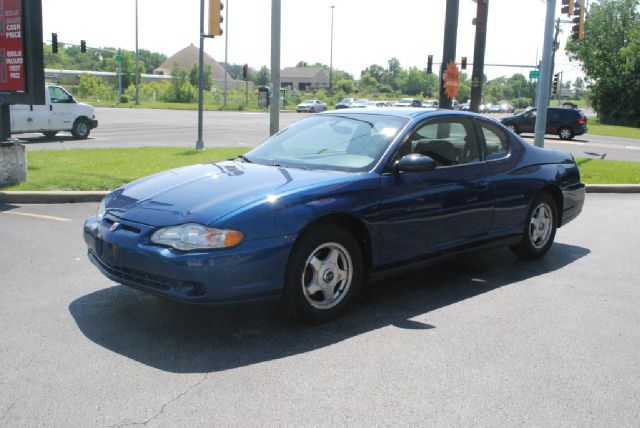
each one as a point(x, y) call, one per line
point(331, 57)
point(545, 76)
point(226, 50)
point(137, 60)
point(200, 141)
point(274, 123)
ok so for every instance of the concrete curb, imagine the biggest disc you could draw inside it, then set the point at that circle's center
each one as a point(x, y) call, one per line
point(60, 197)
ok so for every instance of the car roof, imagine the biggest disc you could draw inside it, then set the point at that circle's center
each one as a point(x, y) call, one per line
point(414, 114)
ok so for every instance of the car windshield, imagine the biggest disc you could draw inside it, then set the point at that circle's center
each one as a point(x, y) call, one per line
point(308, 102)
point(352, 143)
point(346, 100)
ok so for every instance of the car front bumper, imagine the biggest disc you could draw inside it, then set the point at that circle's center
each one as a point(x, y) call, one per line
point(93, 123)
point(253, 270)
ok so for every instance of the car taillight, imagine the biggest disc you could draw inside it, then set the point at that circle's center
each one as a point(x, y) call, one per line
point(582, 120)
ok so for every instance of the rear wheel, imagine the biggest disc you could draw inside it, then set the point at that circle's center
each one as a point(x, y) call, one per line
point(540, 228)
point(50, 134)
point(81, 129)
point(565, 133)
point(323, 275)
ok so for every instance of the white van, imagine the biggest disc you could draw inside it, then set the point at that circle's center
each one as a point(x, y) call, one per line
point(60, 113)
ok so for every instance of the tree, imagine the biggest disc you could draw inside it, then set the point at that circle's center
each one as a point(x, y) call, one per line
point(194, 76)
point(394, 70)
point(263, 77)
point(610, 58)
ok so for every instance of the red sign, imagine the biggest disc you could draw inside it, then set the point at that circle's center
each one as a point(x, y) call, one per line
point(11, 47)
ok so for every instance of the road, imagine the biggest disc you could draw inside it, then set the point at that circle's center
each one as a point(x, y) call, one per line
point(480, 340)
point(148, 127)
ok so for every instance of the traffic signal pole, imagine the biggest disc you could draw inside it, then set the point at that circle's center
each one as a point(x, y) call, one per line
point(449, 48)
point(477, 76)
point(274, 122)
point(200, 141)
point(545, 76)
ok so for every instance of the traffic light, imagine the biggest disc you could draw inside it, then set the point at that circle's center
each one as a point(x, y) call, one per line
point(83, 46)
point(430, 64)
point(554, 85)
point(463, 64)
point(54, 43)
point(244, 71)
point(577, 30)
point(567, 6)
point(215, 17)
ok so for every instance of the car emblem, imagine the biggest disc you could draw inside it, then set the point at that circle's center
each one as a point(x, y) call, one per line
point(114, 226)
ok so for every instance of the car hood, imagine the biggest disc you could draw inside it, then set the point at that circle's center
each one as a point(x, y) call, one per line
point(206, 192)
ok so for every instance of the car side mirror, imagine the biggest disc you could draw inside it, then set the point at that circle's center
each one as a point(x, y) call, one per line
point(415, 162)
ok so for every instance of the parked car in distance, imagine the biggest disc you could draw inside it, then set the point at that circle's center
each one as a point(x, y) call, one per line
point(311, 106)
point(360, 103)
point(466, 106)
point(331, 202)
point(408, 102)
point(61, 112)
point(430, 103)
point(566, 123)
point(345, 103)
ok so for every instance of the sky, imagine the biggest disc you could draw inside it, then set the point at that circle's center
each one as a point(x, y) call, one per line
point(365, 31)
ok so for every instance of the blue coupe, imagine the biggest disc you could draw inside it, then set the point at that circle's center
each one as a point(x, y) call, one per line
point(330, 203)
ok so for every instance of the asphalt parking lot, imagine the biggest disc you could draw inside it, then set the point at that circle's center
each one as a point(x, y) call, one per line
point(479, 340)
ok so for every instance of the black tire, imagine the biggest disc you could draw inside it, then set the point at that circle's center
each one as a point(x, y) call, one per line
point(311, 275)
point(565, 133)
point(81, 129)
point(539, 229)
point(50, 134)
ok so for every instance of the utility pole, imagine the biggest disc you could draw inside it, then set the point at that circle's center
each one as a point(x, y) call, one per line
point(226, 44)
point(545, 76)
point(449, 48)
point(274, 122)
point(200, 141)
point(477, 76)
point(331, 56)
point(556, 45)
point(119, 58)
point(137, 60)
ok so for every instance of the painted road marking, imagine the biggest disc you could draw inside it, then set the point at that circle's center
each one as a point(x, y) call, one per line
point(41, 216)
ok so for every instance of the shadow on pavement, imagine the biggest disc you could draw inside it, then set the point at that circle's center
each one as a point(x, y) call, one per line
point(182, 338)
point(39, 139)
point(549, 137)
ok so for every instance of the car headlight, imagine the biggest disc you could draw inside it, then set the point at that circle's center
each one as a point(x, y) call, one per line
point(102, 209)
point(192, 236)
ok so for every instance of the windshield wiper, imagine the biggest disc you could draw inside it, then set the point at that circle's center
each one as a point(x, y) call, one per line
point(244, 158)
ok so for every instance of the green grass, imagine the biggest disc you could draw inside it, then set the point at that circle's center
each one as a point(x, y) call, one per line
point(599, 171)
point(106, 169)
point(595, 127)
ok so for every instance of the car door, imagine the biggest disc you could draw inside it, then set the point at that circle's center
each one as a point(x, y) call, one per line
point(553, 121)
point(62, 109)
point(528, 123)
point(21, 118)
point(424, 212)
point(501, 156)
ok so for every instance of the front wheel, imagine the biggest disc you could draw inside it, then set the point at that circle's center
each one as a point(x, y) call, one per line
point(81, 129)
point(540, 228)
point(323, 275)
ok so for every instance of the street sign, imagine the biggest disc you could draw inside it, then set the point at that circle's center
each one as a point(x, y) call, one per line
point(534, 74)
point(119, 58)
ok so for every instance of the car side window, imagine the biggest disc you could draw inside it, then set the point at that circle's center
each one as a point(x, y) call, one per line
point(58, 95)
point(448, 142)
point(496, 141)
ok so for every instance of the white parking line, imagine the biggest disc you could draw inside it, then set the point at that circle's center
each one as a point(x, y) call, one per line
point(41, 216)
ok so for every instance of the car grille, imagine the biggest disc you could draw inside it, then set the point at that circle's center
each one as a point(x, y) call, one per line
point(151, 280)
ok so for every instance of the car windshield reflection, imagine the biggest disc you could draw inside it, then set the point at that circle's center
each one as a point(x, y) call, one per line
point(352, 143)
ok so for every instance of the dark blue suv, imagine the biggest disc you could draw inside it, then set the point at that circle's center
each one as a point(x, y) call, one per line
point(567, 123)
